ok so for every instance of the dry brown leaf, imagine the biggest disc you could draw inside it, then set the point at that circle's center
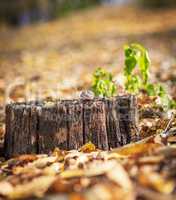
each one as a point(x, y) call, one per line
point(151, 159)
point(5, 188)
point(120, 177)
point(109, 192)
point(136, 149)
point(152, 195)
point(156, 182)
point(75, 196)
point(27, 158)
point(88, 147)
point(35, 188)
point(42, 162)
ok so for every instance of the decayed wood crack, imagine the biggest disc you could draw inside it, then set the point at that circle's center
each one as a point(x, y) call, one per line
point(39, 127)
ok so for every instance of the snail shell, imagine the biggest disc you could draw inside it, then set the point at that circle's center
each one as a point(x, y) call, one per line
point(86, 94)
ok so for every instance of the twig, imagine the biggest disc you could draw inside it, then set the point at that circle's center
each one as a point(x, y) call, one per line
point(166, 132)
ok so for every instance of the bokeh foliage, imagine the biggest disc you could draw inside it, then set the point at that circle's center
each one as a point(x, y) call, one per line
point(13, 11)
point(156, 3)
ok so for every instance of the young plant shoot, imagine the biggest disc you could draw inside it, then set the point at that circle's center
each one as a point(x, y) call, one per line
point(103, 85)
point(136, 56)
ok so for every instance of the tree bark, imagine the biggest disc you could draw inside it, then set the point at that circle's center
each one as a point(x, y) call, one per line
point(39, 127)
point(95, 123)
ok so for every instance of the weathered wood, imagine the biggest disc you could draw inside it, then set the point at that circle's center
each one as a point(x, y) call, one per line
point(21, 129)
point(33, 126)
point(62, 125)
point(39, 127)
point(112, 124)
point(95, 123)
point(126, 109)
point(9, 134)
point(75, 124)
point(47, 128)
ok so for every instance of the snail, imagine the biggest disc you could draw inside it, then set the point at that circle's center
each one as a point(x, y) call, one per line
point(86, 95)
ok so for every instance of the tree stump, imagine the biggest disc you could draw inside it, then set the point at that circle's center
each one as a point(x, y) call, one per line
point(39, 127)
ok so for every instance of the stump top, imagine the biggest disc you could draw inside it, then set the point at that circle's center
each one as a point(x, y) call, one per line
point(53, 102)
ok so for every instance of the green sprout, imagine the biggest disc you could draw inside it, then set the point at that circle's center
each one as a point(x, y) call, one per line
point(137, 56)
point(103, 85)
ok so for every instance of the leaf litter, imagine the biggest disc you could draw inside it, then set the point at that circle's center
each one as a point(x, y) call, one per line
point(141, 170)
point(123, 173)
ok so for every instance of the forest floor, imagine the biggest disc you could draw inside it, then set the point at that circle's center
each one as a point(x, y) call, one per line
point(57, 59)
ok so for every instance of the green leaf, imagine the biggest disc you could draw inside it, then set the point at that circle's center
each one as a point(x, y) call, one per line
point(133, 84)
point(172, 104)
point(130, 63)
point(142, 60)
point(137, 56)
point(103, 85)
point(151, 90)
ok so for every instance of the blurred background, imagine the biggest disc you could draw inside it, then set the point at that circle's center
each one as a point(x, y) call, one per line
point(22, 12)
point(50, 48)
